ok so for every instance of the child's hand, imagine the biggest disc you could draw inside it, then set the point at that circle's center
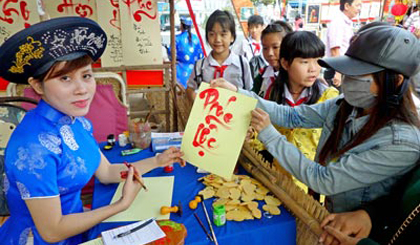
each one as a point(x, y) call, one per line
point(222, 83)
point(170, 156)
point(260, 119)
point(250, 134)
point(130, 189)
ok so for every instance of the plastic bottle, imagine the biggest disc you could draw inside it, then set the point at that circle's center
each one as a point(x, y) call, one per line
point(219, 215)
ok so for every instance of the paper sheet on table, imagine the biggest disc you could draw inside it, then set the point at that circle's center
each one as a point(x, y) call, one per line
point(97, 241)
point(147, 234)
point(147, 204)
point(216, 129)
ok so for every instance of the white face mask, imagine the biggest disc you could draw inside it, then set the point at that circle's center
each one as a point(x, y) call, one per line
point(356, 90)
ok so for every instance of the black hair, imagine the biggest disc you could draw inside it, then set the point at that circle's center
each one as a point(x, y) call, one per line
point(298, 44)
point(343, 3)
point(274, 27)
point(188, 29)
point(298, 17)
point(255, 20)
point(225, 19)
point(286, 26)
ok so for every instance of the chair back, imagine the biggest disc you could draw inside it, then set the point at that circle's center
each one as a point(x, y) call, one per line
point(11, 114)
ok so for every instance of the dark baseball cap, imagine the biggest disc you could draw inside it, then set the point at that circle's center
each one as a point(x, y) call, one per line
point(34, 50)
point(376, 49)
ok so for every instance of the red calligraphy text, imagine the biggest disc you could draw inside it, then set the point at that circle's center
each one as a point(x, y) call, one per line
point(115, 21)
point(8, 11)
point(11, 12)
point(216, 116)
point(141, 8)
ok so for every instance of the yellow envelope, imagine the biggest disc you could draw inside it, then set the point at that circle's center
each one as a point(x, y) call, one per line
point(216, 129)
point(147, 203)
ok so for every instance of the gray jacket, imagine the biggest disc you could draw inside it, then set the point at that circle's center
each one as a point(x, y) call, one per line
point(360, 175)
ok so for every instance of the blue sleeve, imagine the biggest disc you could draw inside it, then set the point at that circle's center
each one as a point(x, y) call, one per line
point(33, 163)
point(350, 171)
point(304, 116)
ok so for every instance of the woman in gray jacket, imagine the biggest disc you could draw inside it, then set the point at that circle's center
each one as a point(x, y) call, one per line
point(370, 134)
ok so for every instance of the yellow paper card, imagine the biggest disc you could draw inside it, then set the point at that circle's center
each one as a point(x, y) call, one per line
point(97, 241)
point(147, 203)
point(216, 129)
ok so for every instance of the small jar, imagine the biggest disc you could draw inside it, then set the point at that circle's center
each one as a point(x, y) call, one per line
point(219, 215)
point(122, 140)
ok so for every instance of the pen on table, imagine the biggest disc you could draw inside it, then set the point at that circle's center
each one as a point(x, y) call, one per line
point(136, 176)
point(208, 221)
point(126, 233)
point(202, 226)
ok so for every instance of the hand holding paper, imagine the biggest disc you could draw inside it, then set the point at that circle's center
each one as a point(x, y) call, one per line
point(216, 129)
point(222, 83)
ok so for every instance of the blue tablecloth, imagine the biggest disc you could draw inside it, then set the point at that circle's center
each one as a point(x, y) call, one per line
point(279, 230)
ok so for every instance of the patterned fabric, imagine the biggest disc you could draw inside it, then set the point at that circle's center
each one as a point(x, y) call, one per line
point(307, 139)
point(413, 21)
point(57, 158)
point(186, 55)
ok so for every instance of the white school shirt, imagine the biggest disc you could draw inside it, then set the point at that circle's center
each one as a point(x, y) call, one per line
point(248, 49)
point(266, 80)
point(232, 74)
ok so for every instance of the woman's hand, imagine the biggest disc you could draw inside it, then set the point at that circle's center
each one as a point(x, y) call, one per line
point(222, 83)
point(356, 224)
point(260, 119)
point(130, 189)
point(170, 156)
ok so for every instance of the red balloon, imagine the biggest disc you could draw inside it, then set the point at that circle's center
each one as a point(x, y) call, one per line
point(399, 9)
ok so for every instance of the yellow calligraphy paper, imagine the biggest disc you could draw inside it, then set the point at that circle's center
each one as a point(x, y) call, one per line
point(216, 129)
point(97, 241)
point(140, 30)
point(147, 203)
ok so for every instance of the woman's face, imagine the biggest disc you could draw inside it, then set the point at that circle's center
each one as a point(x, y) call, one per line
point(271, 49)
point(71, 93)
point(302, 71)
point(219, 39)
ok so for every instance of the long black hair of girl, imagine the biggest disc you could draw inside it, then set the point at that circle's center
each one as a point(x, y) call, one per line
point(299, 44)
point(275, 27)
point(393, 103)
